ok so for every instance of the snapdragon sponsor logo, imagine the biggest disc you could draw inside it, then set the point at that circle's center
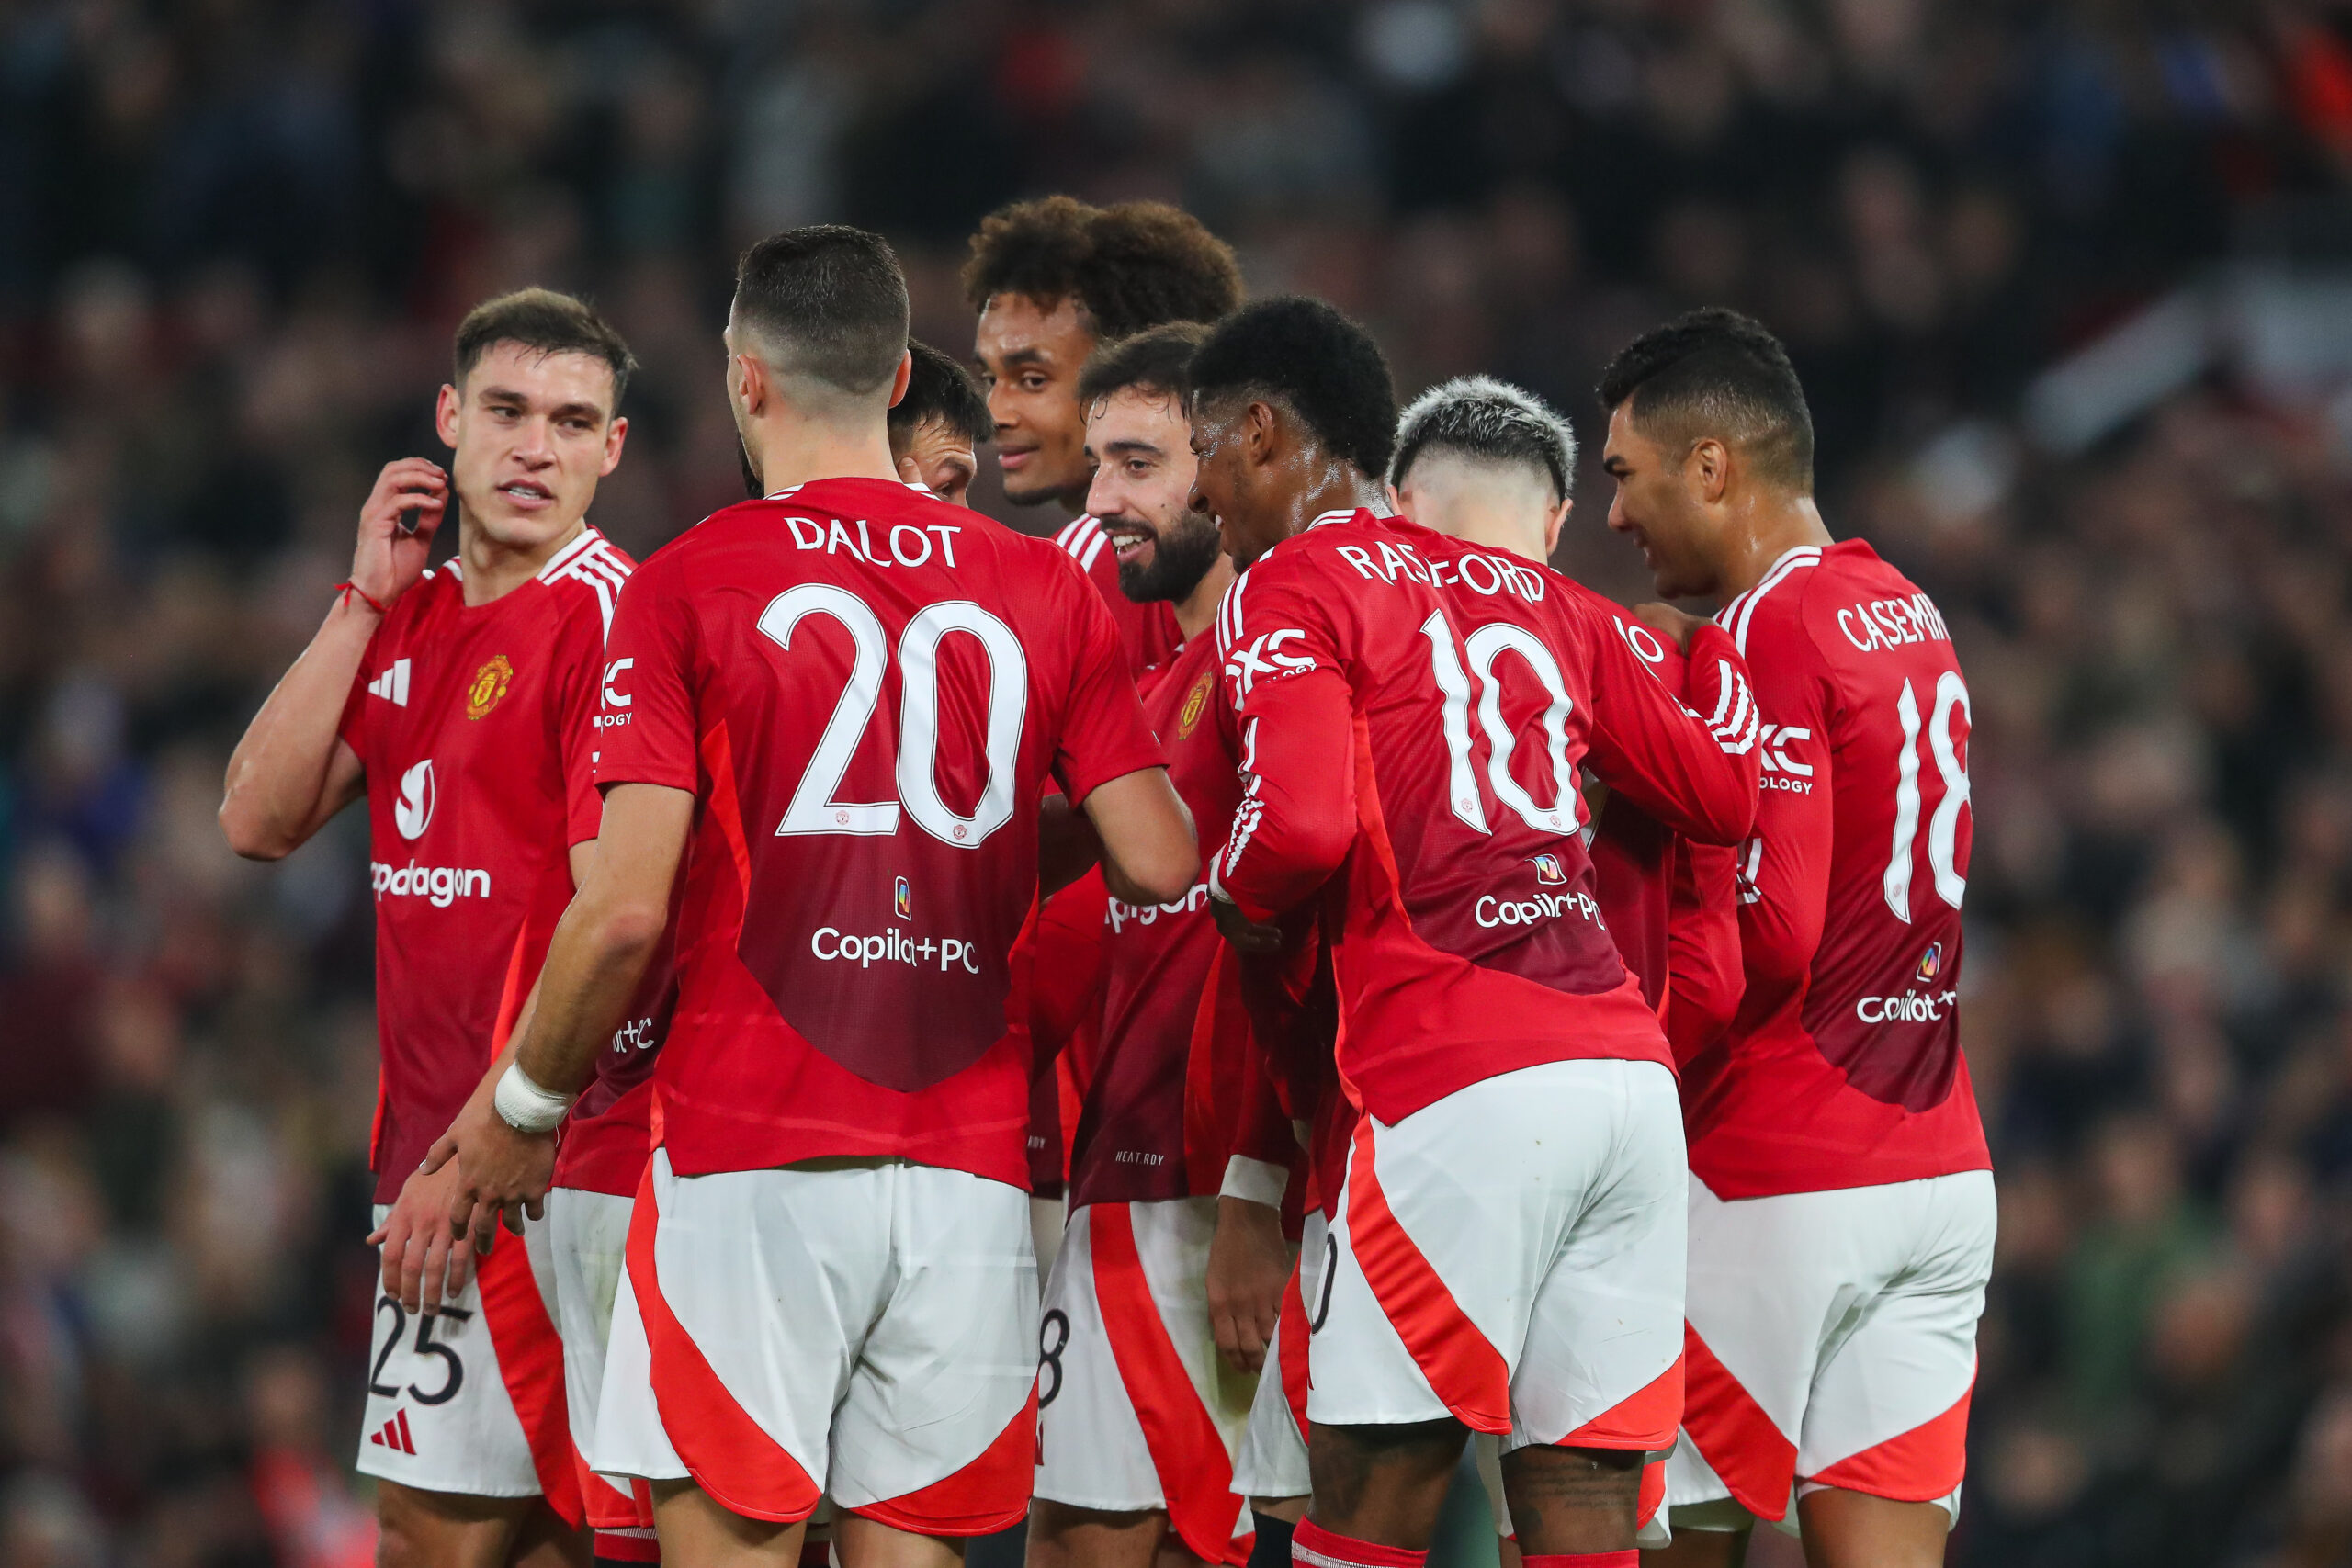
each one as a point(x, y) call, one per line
point(441, 885)
point(833, 945)
point(1124, 915)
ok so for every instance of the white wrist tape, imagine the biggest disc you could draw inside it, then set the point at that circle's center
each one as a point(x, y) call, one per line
point(524, 1106)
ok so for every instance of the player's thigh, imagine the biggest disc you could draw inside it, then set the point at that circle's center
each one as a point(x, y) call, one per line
point(1384, 1483)
point(1600, 1366)
point(1888, 1417)
point(941, 1387)
point(1062, 1536)
point(445, 1390)
point(1444, 1230)
point(417, 1528)
point(697, 1531)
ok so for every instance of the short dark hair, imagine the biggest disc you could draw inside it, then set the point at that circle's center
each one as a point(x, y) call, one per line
point(829, 302)
point(943, 389)
point(545, 323)
point(1715, 372)
point(1133, 265)
point(1156, 361)
point(1489, 421)
point(1324, 367)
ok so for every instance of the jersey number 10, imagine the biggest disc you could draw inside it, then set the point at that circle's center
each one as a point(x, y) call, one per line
point(813, 808)
point(1484, 647)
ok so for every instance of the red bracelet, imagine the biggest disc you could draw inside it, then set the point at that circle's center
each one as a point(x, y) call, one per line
point(347, 588)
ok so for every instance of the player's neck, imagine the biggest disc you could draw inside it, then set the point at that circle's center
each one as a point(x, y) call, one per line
point(802, 451)
point(493, 571)
point(1195, 611)
point(1341, 487)
point(1770, 530)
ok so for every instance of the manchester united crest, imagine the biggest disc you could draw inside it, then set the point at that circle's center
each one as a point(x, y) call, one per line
point(1196, 702)
point(489, 686)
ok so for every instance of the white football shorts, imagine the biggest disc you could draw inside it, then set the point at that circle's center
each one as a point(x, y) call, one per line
point(588, 1240)
point(1512, 1256)
point(1832, 1342)
point(1272, 1462)
point(471, 1399)
point(858, 1328)
point(1135, 1409)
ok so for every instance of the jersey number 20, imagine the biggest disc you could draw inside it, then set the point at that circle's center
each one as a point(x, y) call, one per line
point(813, 808)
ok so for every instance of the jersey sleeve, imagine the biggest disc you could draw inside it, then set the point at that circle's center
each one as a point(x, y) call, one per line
point(579, 687)
point(1704, 981)
point(1295, 714)
point(1104, 734)
point(647, 686)
point(1697, 775)
point(1783, 868)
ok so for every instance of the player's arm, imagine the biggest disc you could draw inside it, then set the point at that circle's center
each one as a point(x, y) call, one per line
point(1703, 978)
point(1297, 815)
point(1250, 1258)
point(1068, 846)
point(1697, 774)
point(1149, 855)
point(293, 770)
point(1108, 763)
point(506, 1150)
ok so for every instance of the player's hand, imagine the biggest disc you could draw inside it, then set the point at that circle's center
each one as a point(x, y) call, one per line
point(503, 1173)
point(1246, 934)
point(1248, 1265)
point(389, 558)
point(422, 1268)
point(1670, 622)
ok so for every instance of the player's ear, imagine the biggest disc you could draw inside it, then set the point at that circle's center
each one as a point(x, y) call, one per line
point(444, 416)
point(616, 436)
point(1395, 501)
point(747, 381)
point(1710, 466)
point(906, 373)
point(1259, 434)
point(1553, 523)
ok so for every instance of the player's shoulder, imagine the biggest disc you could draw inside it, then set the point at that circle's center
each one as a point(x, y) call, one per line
point(1083, 539)
point(586, 577)
point(1775, 608)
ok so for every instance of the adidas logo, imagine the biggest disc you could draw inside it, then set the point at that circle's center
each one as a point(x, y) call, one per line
point(395, 1435)
point(392, 685)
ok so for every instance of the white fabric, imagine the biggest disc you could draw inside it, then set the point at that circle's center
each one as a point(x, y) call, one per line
point(876, 1318)
point(1273, 1461)
point(1091, 1448)
point(1254, 1181)
point(1549, 1201)
point(1849, 1317)
point(466, 1437)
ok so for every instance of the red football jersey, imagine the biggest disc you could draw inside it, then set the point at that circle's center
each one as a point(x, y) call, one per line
point(1361, 659)
point(866, 689)
point(1843, 1067)
point(1160, 1111)
point(1148, 632)
point(475, 727)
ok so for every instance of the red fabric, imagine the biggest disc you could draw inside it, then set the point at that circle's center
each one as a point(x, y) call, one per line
point(1843, 1067)
point(626, 1548)
point(1652, 1496)
point(1313, 1545)
point(1920, 1466)
point(1646, 1419)
point(989, 1494)
point(1064, 1018)
point(1463, 1369)
point(1732, 1434)
point(604, 1505)
point(729, 1455)
point(781, 1050)
point(1187, 1451)
point(1702, 948)
point(476, 727)
point(1290, 1331)
point(530, 1362)
point(1629, 1558)
point(1465, 688)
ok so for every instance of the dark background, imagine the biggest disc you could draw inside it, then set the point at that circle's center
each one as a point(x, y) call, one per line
point(234, 236)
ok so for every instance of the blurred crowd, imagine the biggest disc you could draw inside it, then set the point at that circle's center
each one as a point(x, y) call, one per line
point(235, 235)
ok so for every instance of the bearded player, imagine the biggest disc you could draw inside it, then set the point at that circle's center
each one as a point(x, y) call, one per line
point(1503, 1255)
point(1138, 1415)
point(1841, 1201)
point(460, 700)
point(845, 698)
